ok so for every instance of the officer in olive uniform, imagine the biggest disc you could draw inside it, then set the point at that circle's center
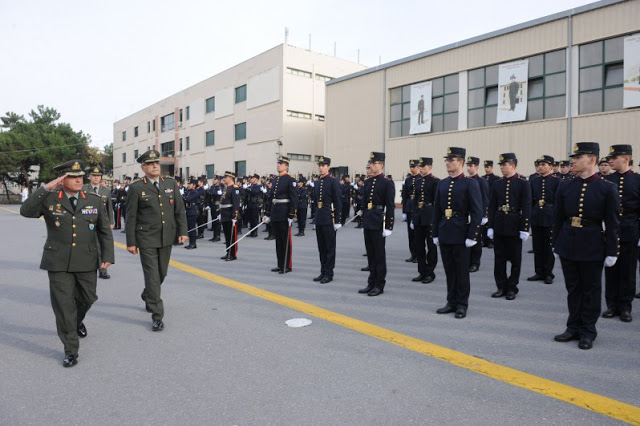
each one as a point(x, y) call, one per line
point(582, 205)
point(543, 194)
point(422, 221)
point(328, 201)
point(620, 279)
point(155, 212)
point(76, 222)
point(229, 213)
point(407, 196)
point(95, 186)
point(473, 163)
point(509, 214)
point(377, 221)
point(280, 212)
point(456, 228)
point(253, 202)
point(191, 200)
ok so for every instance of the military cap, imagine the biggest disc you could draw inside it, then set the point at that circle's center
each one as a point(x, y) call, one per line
point(564, 163)
point(151, 156)
point(324, 160)
point(256, 176)
point(488, 163)
point(71, 168)
point(178, 179)
point(603, 160)
point(507, 156)
point(592, 148)
point(193, 181)
point(414, 163)
point(453, 152)
point(127, 178)
point(302, 179)
point(545, 159)
point(283, 159)
point(620, 150)
point(218, 177)
point(556, 164)
point(377, 156)
point(473, 160)
point(95, 170)
point(426, 161)
point(230, 174)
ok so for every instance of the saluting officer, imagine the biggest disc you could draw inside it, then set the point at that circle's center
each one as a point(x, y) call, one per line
point(95, 186)
point(456, 228)
point(543, 194)
point(229, 213)
point(408, 195)
point(509, 214)
point(76, 222)
point(473, 164)
point(280, 211)
point(327, 197)
point(191, 200)
point(422, 221)
point(377, 220)
point(620, 279)
point(582, 205)
point(155, 213)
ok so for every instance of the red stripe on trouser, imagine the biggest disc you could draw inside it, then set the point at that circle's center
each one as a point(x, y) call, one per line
point(290, 264)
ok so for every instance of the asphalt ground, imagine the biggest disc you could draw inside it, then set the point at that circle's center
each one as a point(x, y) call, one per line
point(227, 357)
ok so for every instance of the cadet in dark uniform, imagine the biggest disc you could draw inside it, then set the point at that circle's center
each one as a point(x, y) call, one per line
point(582, 205)
point(303, 199)
point(565, 172)
point(620, 279)
point(408, 195)
point(509, 214)
point(253, 202)
point(456, 228)
point(359, 205)
point(229, 213)
point(200, 205)
point(377, 220)
point(155, 213)
point(215, 193)
point(422, 221)
point(556, 169)
point(346, 198)
point(95, 186)
point(76, 222)
point(543, 195)
point(604, 166)
point(191, 199)
point(491, 178)
point(280, 211)
point(473, 163)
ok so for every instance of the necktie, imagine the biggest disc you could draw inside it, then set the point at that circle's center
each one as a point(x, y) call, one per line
point(73, 202)
point(155, 184)
point(95, 189)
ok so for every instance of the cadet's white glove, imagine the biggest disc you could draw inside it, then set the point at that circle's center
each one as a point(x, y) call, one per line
point(244, 185)
point(264, 190)
point(524, 236)
point(337, 226)
point(484, 221)
point(290, 221)
point(266, 219)
point(386, 233)
point(359, 213)
point(436, 241)
point(233, 222)
point(219, 192)
point(490, 233)
point(638, 243)
point(609, 261)
point(470, 243)
point(311, 184)
point(404, 216)
point(412, 225)
point(219, 217)
point(207, 208)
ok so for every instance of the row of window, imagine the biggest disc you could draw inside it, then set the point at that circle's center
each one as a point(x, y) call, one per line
point(305, 115)
point(307, 74)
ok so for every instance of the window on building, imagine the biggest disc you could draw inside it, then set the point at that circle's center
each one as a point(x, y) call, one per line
point(210, 138)
point(180, 121)
point(167, 122)
point(483, 96)
point(210, 168)
point(148, 127)
point(299, 114)
point(298, 72)
point(124, 158)
point(180, 144)
point(188, 113)
point(323, 77)
point(241, 93)
point(319, 117)
point(300, 157)
point(188, 174)
point(547, 86)
point(124, 136)
point(153, 124)
point(135, 132)
point(241, 131)
point(135, 155)
point(188, 143)
point(241, 168)
point(444, 103)
point(167, 149)
point(210, 104)
point(601, 76)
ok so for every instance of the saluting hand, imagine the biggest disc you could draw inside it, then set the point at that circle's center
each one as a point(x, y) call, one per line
point(55, 183)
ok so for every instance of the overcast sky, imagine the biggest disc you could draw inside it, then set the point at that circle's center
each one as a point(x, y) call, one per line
point(97, 62)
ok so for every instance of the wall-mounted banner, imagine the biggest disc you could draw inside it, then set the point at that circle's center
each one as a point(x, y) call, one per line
point(420, 108)
point(513, 80)
point(631, 97)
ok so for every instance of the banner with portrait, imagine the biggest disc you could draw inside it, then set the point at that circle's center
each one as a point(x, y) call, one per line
point(420, 105)
point(631, 92)
point(513, 79)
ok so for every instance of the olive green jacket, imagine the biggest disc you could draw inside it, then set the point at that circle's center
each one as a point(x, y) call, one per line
point(105, 194)
point(72, 236)
point(154, 216)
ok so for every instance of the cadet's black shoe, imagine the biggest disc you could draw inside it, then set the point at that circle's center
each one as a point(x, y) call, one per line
point(318, 278)
point(365, 269)
point(201, 236)
point(567, 336)
point(535, 277)
point(230, 258)
point(490, 245)
point(70, 360)
point(104, 275)
point(216, 239)
point(419, 278)
point(326, 280)
point(253, 235)
point(191, 246)
point(375, 292)
point(411, 259)
point(82, 331)
point(585, 343)
point(212, 239)
point(548, 280)
point(122, 232)
point(429, 279)
point(275, 269)
point(473, 268)
point(447, 309)
point(280, 271)
point(609, 313)
point(270, 237)
point(461, 313)
point(157, 326)
point(498, 293)
point(289, 269)
point(637, 295)
point(625, 316)
point(300, 234)
point(224, 257)
point(511, 295)
point(365, 290)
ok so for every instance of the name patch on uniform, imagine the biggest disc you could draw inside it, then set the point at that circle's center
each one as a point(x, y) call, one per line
point(89, 211)
point(168, 191)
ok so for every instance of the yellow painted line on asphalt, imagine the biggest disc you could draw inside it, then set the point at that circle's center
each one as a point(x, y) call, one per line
point(591, 401)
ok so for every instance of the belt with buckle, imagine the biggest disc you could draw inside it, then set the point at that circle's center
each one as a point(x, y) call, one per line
point(320, 204)
point(507, 209)
point(371, 206)
point(226, 206)
point(449, 213)
point(579, 222)
point(421, 204)
point(280, 200)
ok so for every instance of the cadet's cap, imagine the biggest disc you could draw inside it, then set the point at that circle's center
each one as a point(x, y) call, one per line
point(592, 148)
point(376, 156)
point(507, 156)
point(283, 159)
point(426, 161)
point(151, 156)
point(72, 168)
point(257, 176)
point(324, 160)
point(488, 163)
point(178, 179)
point(218, 177)
point(564, 163)
point(545, 159)
point(454, 151)
point(95, 170)
point(473, 160)
point(556, 164)
point(193, 181)
point(230, 174)
point(302, 179)
point(603, 160)
point(620, 150)
point(414, 163)
point(127, 178)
